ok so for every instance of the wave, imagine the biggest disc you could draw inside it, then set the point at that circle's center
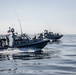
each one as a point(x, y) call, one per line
point(67, 45)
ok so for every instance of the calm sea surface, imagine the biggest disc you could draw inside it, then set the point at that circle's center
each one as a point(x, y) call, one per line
point(58, 58)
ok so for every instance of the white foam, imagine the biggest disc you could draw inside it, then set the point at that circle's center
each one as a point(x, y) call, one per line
point(10, 51)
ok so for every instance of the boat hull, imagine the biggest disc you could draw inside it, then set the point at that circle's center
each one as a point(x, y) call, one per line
point(37, 44)
point(54, 37)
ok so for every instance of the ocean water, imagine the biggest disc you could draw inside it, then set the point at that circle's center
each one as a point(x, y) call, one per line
point(57, 58)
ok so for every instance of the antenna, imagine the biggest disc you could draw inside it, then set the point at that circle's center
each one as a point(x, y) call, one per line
point(49, 27)
point(19, 21)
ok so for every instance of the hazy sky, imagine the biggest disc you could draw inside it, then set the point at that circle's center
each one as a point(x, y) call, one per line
point(37, 15)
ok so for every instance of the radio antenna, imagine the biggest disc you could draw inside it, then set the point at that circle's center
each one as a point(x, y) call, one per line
point(19, 21)
point(49, 27)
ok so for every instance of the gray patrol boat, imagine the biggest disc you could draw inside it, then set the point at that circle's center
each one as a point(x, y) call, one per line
point(14, 40)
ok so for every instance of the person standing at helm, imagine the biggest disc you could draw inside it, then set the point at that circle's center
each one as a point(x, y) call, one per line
point(11, 37)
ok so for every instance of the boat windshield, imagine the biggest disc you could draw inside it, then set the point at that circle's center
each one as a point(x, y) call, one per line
point(25, 35)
